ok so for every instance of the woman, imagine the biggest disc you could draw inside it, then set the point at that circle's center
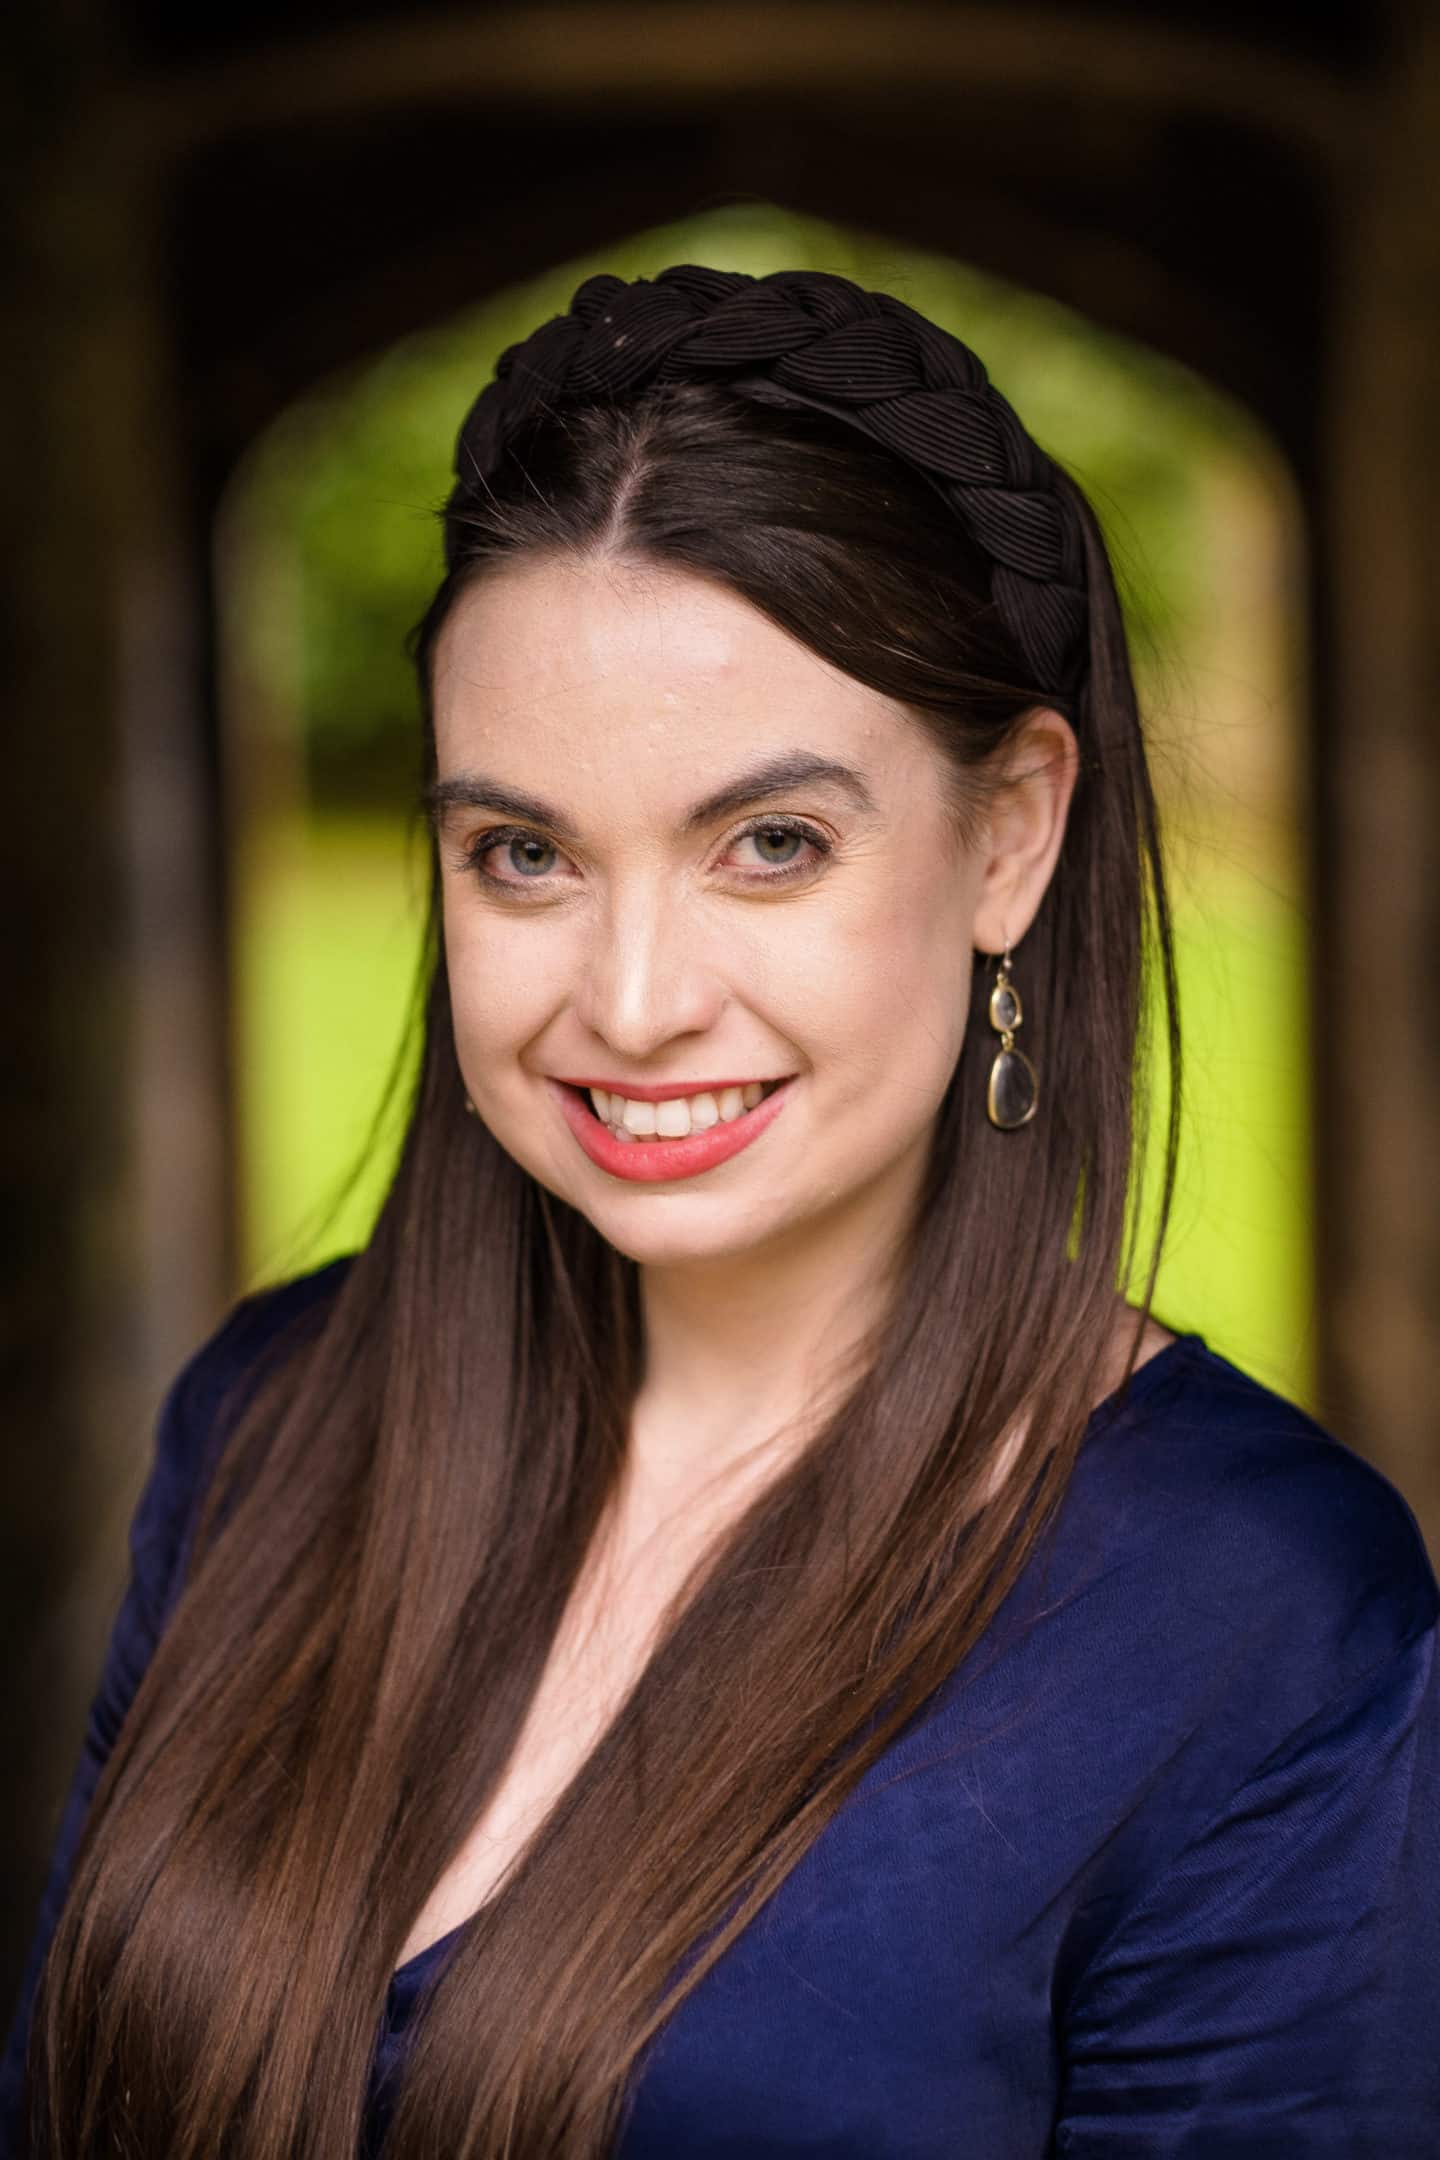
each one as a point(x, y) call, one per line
point(722, 1630)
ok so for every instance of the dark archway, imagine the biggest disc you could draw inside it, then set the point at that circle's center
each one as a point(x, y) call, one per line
point(203, 227)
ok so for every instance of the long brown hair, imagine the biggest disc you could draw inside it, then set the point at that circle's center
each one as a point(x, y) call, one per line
point(404, 1503)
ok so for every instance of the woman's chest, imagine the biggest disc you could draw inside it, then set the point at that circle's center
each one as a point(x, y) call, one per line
point(893, 2000)
point(599, 1653)
point(903, 1994)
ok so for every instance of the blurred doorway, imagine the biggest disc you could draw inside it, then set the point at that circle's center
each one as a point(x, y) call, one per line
point(328, 549)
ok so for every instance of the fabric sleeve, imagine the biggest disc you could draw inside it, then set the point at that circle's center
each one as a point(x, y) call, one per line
point(183, 1451)
point(1276, 1992)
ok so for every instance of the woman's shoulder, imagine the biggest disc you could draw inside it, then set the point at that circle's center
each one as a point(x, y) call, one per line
point(1225, 1585)
point(1240, 1513)
point(216, 1376)
point(200, 1405)
point(259, 1318)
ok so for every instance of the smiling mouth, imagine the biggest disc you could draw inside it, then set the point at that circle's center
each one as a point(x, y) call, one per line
point(678, 1118)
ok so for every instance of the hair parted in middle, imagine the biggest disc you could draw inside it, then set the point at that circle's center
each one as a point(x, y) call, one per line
point(810, 340)
point(409, 1489)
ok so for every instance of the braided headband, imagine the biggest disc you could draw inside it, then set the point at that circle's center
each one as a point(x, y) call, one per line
point(809, 338)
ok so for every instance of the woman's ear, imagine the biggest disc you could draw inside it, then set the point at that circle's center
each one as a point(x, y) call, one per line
point(1024, 827)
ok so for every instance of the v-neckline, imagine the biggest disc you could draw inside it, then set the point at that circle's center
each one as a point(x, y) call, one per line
point(407, 1977)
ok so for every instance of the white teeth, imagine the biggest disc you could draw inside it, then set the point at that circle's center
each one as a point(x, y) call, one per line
point(678, 1116)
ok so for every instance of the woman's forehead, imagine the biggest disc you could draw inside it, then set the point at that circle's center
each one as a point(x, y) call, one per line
point(603, 627)
point(608, 663)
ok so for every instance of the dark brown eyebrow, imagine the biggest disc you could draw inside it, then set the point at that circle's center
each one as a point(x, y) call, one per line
point(777, 776)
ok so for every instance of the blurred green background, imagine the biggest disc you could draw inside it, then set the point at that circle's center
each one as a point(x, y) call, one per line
point(329, 549)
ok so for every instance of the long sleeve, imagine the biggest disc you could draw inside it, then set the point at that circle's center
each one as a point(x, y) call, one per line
point(1277, 1991)
point(186, 1433)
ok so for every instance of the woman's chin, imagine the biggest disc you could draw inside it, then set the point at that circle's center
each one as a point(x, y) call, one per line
point(676, 1231)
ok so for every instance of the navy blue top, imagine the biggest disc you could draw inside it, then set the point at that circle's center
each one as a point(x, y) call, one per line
point(1159, 1875)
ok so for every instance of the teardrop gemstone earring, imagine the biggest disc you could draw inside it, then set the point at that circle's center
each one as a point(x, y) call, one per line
point(1014, 1091)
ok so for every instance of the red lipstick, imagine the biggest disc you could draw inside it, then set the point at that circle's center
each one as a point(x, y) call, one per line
point(656, 1162)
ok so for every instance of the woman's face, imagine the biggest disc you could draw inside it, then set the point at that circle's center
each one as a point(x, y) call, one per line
point(684, 858)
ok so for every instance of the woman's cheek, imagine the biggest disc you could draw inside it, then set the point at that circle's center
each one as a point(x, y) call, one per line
point(500, 989)
point(500, 1014)
point(883, 990)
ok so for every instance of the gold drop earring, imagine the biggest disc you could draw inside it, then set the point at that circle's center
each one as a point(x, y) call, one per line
point(1014, 1091)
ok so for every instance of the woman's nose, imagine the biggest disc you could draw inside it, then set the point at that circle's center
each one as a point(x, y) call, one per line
point(647, 976)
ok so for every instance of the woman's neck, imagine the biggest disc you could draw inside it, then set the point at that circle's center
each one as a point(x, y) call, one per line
point(744, 1355)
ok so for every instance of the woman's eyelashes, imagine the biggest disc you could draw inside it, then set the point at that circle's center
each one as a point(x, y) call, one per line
point(514, 859)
